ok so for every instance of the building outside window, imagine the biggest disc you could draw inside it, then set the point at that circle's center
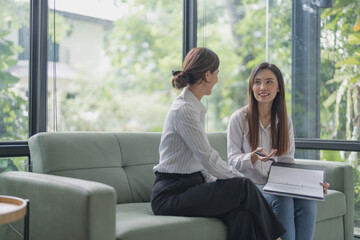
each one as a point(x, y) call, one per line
point(115, 62)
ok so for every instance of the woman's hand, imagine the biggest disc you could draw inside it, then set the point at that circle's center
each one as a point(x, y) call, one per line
point(265, 158)
point(326, 186)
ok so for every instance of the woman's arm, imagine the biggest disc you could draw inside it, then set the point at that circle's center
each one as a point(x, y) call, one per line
point(235, 143)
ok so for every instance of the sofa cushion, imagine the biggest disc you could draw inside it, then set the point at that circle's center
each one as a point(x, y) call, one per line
point(331, 229)
point(333, 206)
point(139, 154)
point(86, 155)
point(136, 221)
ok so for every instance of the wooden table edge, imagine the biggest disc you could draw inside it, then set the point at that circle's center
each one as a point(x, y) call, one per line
point(15, 214)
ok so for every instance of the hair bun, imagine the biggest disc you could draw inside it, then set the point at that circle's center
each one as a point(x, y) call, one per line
point(174, 72)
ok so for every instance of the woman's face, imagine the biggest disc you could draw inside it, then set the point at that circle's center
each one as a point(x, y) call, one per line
point(212, 79)
point(265, 87)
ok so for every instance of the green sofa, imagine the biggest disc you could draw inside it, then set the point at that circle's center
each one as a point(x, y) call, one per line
point(97, 186)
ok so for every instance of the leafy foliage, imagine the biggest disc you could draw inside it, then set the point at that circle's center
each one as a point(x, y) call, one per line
point(13, 106)
point(341, 81)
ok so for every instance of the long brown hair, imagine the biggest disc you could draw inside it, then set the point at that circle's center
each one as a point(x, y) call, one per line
point(196, 63)
point(279, 131)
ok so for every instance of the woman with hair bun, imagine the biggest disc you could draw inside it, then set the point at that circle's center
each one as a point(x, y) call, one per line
point(191, 178)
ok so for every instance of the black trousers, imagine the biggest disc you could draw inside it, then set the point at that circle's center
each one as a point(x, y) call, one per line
point(236, 201)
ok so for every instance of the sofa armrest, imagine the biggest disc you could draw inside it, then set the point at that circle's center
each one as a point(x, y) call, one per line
point(341, 178)
point(62, 207)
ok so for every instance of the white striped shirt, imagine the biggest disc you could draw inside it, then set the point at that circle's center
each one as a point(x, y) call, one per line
point(184, 146)
point(239, 150)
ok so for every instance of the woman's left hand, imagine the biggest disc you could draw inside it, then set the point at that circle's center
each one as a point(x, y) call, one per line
point(326, 186)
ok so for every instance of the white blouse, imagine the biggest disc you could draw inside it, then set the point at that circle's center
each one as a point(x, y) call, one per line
point(239, 150)
point(184, 146)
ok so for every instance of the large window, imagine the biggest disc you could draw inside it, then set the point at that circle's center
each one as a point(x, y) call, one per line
point(243, 34)
point(114, 64)
point(14, 69)
point(314, 43)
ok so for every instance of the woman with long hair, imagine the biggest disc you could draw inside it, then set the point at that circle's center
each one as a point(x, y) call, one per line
point(264, 126)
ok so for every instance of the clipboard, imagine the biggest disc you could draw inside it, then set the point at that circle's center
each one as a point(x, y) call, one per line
point(296, 180)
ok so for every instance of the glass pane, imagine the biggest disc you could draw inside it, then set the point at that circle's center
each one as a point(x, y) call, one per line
point(321, 72)
point(278, 42)
point(14, 164)
point(326, 75)
point(243, 34)
point(14, 69)
point(111, 63)
point(340, 71)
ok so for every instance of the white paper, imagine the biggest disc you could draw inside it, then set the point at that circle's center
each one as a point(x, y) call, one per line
point(295, 182)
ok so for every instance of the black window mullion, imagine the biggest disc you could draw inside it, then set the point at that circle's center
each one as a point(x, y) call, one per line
point(189, 25)
point(38, 67)
point(14, 149)
point(321, 144)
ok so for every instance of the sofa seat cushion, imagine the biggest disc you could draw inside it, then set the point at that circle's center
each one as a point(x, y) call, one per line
point(136, 221)
point(333, 206)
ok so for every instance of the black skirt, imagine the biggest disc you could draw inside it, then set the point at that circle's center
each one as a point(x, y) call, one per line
point(236, 201)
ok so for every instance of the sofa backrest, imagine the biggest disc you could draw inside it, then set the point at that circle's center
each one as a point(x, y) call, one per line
point(121, 160)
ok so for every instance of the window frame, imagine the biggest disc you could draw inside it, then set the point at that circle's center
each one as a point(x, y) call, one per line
point(38, 81)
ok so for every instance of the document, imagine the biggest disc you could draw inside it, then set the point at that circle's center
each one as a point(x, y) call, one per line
point(295, 180)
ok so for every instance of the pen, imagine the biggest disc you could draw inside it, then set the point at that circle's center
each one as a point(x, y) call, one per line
point(262, 155)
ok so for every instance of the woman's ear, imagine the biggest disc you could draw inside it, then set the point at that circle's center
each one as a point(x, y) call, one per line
point(207, 75)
